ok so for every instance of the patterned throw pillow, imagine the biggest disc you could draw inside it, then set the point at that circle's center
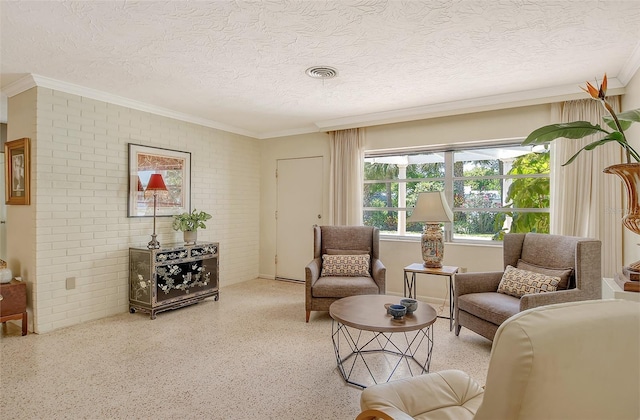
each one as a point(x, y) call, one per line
point(517, 282)
point(563, 273)
point(345, 265)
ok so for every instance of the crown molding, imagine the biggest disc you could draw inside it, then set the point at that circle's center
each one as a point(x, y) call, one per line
point(467, 106)
point(445, 109)
point(631, 67)
point(33, 80)
point(23, 84)
point(286, 133)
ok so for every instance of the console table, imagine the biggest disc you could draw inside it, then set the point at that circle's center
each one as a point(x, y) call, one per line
point(173, 276)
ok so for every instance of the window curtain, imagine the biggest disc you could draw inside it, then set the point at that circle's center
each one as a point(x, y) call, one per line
point(584, 200)
point(346, 177)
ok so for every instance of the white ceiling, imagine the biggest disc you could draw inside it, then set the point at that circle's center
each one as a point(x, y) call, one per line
point(240, 65)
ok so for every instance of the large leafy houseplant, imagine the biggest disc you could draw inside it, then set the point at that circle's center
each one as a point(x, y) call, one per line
point(612, 132)
point(580, 129)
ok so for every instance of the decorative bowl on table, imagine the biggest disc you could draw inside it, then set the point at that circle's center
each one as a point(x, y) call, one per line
point(411, 305)
point(397, 311)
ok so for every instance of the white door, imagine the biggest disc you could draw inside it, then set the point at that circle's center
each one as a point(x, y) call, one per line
point(3, 213)
point(299, 207)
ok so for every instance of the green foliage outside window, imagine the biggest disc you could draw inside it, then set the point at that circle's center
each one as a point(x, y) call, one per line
point(527, 193)
point(478, 192)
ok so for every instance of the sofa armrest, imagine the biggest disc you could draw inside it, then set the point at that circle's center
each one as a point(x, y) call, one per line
point(466, 283)
point(533, 300)
point(379, 274)
point(443, 394)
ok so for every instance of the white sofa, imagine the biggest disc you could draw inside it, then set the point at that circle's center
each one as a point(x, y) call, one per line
point(578, 360)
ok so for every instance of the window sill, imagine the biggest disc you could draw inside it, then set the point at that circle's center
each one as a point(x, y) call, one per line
point(484, 244)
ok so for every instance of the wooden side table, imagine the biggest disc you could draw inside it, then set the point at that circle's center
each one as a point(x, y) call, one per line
point(419, 268)
point(13, 303)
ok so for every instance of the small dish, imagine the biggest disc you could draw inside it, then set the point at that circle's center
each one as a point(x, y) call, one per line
point(411, 305)
point(397, 311)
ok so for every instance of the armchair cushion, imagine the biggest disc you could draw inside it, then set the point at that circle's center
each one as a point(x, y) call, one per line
point(516, 282)
point(490, 306)
point(563, 273)
point(356, 265)
point(339, 287)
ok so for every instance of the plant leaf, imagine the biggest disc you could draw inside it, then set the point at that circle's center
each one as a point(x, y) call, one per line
point(625, 118)
point(572, 130)
point(595, 144)
point(631, 116)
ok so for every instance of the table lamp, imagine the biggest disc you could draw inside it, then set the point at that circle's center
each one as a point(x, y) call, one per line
point(432, 208)
point(156, 183)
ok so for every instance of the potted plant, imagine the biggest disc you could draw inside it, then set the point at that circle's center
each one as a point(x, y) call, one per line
point(189, 224)
point(612, 132)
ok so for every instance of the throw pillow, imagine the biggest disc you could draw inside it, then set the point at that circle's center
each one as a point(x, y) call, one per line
point(563, 273)
point(354, 265)
point(516, 282)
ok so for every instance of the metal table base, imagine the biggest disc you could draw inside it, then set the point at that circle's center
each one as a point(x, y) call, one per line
point(412, 347)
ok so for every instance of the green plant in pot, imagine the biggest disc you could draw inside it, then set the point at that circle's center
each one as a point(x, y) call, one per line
point(189, 223)
point(613, 131)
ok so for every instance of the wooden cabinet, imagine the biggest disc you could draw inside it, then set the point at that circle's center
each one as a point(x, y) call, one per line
point(172, 276)
point(13, 303)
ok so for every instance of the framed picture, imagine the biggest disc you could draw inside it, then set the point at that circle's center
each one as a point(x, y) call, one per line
point(175, 168)
point(17, 171)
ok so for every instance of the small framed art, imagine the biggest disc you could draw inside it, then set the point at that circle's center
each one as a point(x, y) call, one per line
point(17, 172)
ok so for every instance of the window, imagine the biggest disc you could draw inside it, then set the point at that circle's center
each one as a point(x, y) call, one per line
point(492, 190)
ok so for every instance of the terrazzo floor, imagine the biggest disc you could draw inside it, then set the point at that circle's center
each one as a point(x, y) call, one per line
point(249, 355)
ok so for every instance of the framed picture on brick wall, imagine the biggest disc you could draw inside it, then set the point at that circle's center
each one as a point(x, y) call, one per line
point(175, 168)
point(17, 172)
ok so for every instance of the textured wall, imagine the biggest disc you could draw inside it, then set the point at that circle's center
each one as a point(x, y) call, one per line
point(80, 202)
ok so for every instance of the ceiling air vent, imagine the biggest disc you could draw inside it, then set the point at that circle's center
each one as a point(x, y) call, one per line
point(321, 72)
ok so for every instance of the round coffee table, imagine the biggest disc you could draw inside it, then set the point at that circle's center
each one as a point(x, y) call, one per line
point(378, 344)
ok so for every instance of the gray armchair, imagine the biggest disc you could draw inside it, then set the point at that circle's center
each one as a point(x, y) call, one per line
point(480, 308)
point(322, 291)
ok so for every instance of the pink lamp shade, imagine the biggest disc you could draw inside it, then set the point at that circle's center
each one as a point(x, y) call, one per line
point(156, 183)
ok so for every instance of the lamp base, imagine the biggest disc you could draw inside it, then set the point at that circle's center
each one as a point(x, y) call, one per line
point(432, 245)
point(153, 244)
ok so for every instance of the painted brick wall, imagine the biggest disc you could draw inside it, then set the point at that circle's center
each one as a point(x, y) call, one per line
point(82, 229)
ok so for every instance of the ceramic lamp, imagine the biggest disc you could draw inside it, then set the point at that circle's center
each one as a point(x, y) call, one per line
point(433, 209)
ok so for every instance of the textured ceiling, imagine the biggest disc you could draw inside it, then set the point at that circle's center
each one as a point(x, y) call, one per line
point(241, 64)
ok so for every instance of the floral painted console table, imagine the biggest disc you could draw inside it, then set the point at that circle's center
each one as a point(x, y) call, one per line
point(173, 276)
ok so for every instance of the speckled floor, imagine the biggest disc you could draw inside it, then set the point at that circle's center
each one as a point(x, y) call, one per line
point(249, 355)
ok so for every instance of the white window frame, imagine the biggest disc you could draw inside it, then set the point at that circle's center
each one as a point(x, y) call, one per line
point(448, 181)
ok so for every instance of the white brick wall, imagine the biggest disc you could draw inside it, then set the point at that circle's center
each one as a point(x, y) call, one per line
point(82, 229)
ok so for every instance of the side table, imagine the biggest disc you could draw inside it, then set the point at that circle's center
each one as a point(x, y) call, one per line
point(419, 268)
point(13, 303)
